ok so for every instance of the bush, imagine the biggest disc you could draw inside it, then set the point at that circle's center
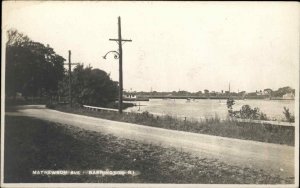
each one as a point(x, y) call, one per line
point(289, 117)
point(230, 103)
point(246, 112)
point(263, 116)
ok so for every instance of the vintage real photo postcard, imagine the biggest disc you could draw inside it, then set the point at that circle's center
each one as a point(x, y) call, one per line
point(150, 94)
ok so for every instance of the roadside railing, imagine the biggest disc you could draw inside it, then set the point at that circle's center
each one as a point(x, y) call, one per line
point(94, 108)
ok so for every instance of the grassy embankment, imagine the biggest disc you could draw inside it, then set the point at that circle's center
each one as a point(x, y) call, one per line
point(32, 144)
point(212, 126)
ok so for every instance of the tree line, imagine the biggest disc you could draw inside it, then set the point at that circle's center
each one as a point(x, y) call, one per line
point(36, 70)
point(266, 92)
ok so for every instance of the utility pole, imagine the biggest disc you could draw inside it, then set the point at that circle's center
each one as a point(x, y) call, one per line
point(229, 90)
point(70, 77)
point(120, 43)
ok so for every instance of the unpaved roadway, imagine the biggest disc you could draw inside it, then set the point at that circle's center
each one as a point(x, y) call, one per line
point(273, 158)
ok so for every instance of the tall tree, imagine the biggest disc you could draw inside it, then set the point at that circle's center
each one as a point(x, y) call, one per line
point(32, 68)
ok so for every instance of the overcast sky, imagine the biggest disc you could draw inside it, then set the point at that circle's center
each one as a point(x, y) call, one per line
point(176, 45)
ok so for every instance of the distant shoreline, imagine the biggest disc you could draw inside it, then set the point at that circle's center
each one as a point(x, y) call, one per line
point(212, 97)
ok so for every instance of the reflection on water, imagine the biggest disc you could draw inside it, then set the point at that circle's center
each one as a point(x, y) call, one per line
point(200, 108)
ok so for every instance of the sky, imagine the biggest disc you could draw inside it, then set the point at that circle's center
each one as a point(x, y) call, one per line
point(175, 45)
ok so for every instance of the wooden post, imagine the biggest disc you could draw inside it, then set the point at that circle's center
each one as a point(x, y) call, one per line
point(120, 68)
point(120, 53)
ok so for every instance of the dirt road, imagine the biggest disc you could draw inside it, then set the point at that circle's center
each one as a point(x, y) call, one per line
point(273, 158)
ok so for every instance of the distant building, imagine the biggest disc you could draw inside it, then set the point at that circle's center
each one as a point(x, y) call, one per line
point(288, 96)
point(259, 92)
point(129, 96)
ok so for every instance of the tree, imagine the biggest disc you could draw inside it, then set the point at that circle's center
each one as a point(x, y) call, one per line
point(199, 93)
point(289, 116)
point(269, 91)
point(247, 112)
point(183, 93)
point(32, 68)
point(91, 87)
point(282, 91)
point(230, 102)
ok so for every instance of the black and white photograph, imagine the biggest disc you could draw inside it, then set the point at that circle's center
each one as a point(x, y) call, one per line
point(150, 94)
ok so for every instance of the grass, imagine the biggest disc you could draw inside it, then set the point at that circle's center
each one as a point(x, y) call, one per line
point(32, 144)
point(212, 126)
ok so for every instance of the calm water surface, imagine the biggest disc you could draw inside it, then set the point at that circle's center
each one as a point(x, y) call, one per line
point(205, 108)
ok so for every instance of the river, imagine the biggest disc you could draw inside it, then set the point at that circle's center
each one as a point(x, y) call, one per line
point(206, 108)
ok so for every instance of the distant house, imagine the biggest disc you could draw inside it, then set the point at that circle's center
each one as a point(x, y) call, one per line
point(133, 96)
point(129, 96)
point(288, 96)
point(259, 92)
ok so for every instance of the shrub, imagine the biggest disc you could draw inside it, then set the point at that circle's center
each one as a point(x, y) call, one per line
point(230, 103)
point(247, 112)
point(263, 116)
point(289, 117)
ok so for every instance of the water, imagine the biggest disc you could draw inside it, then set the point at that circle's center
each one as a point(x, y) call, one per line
point(205, 108)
